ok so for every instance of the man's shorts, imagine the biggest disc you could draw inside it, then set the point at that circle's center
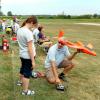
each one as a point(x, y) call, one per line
point(63, 64)
point(26, 68)
point(49, 74)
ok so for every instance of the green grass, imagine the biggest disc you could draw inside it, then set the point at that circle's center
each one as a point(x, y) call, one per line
point(84, 79)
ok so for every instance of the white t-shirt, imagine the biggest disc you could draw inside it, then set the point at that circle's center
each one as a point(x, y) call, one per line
point(35, 33)
point(3, 26)
point(56, 54)
point(16, 27)
point(24, 35)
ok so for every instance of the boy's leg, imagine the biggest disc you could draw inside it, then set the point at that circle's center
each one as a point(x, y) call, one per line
point(26, 73)
point(25, 85)
point(19, 82)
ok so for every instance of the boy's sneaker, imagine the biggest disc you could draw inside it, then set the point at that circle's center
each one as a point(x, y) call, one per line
point(37, 74)
point(64, 78)
point(34, 74)
point(19, 83)
point(29, 92)
point(60, 87)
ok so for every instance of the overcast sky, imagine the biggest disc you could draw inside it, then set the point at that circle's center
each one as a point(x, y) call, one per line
point(72, 7)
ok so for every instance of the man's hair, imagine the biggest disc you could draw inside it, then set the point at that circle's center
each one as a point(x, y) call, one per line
point(62, 40)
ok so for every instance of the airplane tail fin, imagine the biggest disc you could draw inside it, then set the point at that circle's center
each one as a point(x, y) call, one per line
point(61, 34)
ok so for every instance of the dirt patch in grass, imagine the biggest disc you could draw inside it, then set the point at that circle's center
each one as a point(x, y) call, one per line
point(95, 24)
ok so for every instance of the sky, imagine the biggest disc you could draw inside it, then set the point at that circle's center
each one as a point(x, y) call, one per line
point(52, 7)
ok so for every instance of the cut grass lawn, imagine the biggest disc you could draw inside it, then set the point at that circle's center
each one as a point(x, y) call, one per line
point(83, 80)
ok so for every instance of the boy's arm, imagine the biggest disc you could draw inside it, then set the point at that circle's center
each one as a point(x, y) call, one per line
point(31, 53)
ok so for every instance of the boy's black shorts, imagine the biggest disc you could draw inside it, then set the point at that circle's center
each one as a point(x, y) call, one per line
point(26, 68)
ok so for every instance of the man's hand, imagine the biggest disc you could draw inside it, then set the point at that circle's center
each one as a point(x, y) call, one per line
point(58, 80)
point(79, 51)
point(74, 54)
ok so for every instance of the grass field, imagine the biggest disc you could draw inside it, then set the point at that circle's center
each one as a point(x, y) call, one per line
point(83, 80)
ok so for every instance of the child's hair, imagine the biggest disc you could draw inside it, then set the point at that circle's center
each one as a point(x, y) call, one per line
point(29, 20)
point(8, 31)
point(40, 28)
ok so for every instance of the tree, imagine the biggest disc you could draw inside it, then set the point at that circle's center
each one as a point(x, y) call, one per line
point(9, 13)
point(95, 16)
point(1, 13)
point(69, 16)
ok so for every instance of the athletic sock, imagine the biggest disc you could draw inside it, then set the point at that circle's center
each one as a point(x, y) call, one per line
point(62, 74)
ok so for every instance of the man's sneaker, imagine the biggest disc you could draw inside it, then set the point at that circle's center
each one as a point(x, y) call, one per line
point(60, 87)
point(29, 92)
point(19, 83)
point(64, 78)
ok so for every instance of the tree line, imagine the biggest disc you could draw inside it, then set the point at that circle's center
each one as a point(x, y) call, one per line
point(59, 16)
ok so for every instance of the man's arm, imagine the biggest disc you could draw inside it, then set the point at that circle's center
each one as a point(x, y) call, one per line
point(54, 70)
point(74, 54)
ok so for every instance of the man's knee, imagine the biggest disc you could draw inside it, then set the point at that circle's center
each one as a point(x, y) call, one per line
point(71, 65)
point(52, 81)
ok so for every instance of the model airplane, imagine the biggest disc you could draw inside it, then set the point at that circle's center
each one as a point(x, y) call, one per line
point(88, 49)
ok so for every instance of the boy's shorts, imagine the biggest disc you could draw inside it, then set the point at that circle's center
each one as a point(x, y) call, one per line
point(63, 64)
point(26, 68)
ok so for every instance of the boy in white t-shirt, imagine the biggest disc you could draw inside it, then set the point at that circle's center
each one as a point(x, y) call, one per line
point(27, 52)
